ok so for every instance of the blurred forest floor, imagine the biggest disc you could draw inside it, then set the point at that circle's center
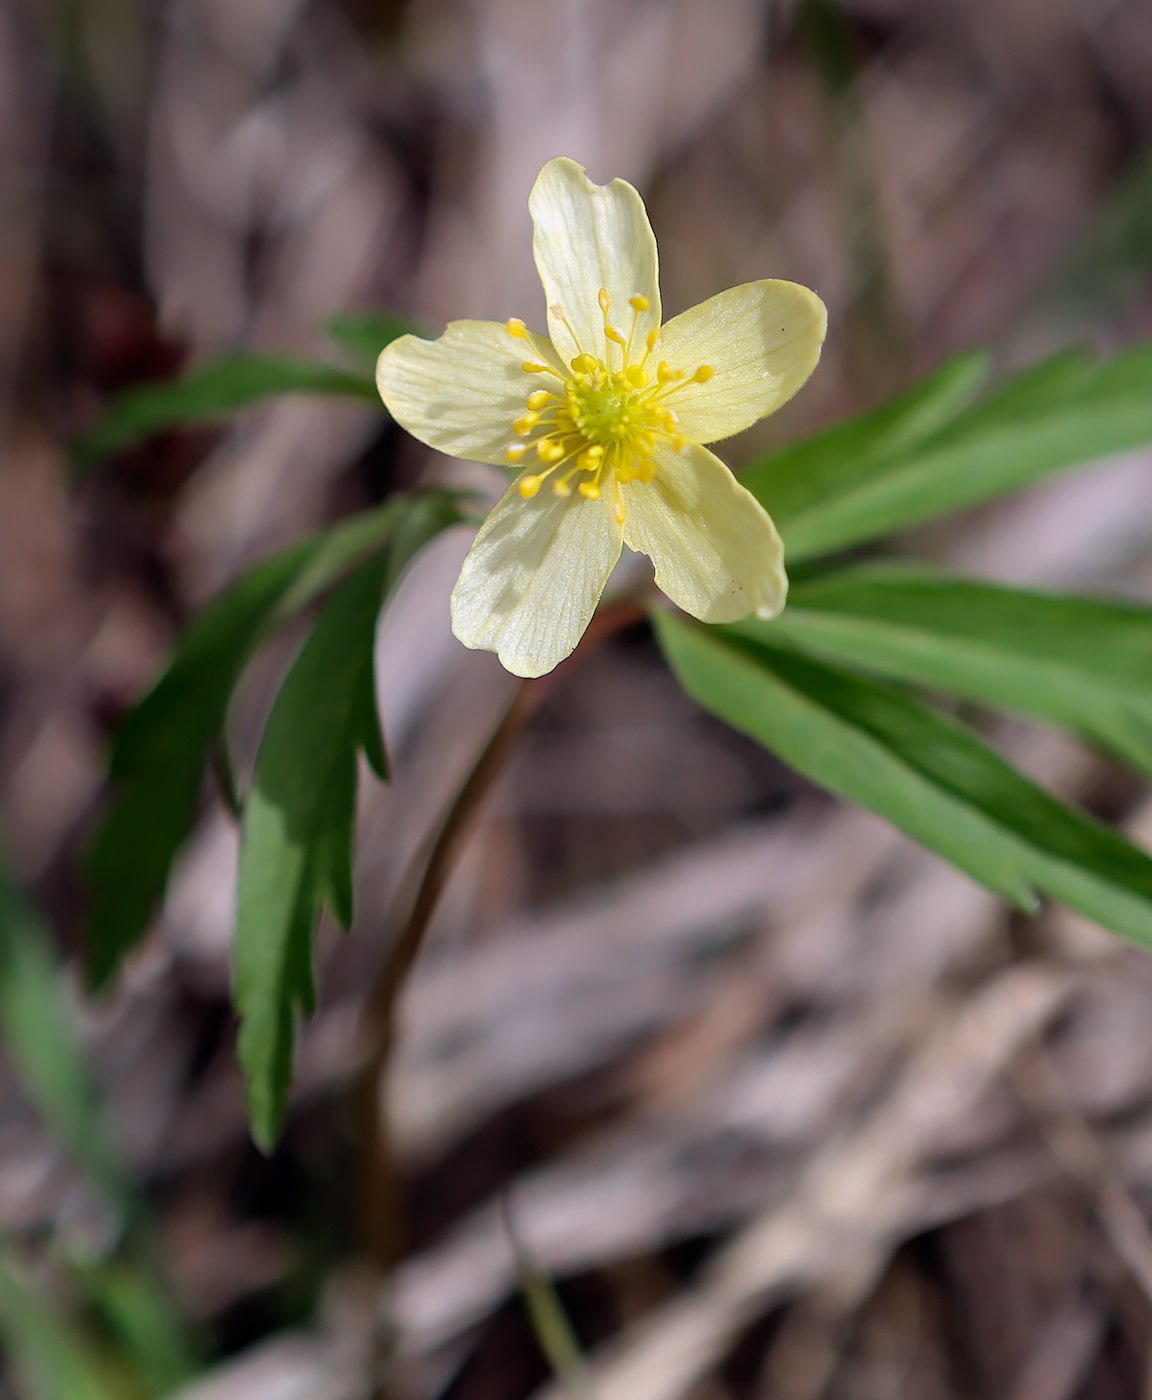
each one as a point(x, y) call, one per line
point(789, 1109)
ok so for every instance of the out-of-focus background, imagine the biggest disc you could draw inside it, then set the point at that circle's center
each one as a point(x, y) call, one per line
point(787, 1108)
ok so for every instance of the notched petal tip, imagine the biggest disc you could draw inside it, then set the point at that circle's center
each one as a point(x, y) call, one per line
point(589, 238)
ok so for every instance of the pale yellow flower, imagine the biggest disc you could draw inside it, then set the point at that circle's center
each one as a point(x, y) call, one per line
point(607, 416)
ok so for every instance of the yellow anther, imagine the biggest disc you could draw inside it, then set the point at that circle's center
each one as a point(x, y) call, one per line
point(535, 367)
point(557, 310)
point(584, 364)
point(665, 374)
point(590, 490)
point(653, 337)
point(639, 303)
point(560, 487)
point(516, 328)
point(703, 374)
point(670, 421)
point(604, 299)
point(538, 398)
point(516, 450)
point(646, 469)
point(524, 424)
point(618, 512)
point(636, 376)
point(614, 335)
point(530, 485)
point(549, 450)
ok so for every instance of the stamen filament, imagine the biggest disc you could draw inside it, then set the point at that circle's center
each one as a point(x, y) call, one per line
point(558, 311)
point(638, 304)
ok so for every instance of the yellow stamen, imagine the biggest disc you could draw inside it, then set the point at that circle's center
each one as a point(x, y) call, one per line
point(606, 420)
point(516, 328)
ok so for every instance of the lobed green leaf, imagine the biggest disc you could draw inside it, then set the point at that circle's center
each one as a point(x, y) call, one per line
point(297, 834)
point(1082, 663)
point(830, 463)
point(163, 746)
point(921, 770)
point(1058, 414)
point(159, 756)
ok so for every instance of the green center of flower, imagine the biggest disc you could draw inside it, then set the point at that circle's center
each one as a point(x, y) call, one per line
point(605, 420)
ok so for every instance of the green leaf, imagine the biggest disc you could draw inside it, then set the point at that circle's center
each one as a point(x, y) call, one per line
point(366, 335)
point(1058, 414)
point(924, 772)
point(213, 391)
point(138, 1316)
point(57, 1358)
point(162, 747)
point(39, 1036)
point(1081, 663)
point(159, 756)
point(297, 834)
point(828, 464)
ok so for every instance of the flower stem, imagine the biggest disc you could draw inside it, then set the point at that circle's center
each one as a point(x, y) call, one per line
point(380, 1182)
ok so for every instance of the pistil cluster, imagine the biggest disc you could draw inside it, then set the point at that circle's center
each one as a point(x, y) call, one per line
point(605, 420)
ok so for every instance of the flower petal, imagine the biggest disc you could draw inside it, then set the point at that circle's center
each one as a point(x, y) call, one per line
point(532, 579)
point(715, 549)
point(462, 393)
point(585, 237)
point(763, 340)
